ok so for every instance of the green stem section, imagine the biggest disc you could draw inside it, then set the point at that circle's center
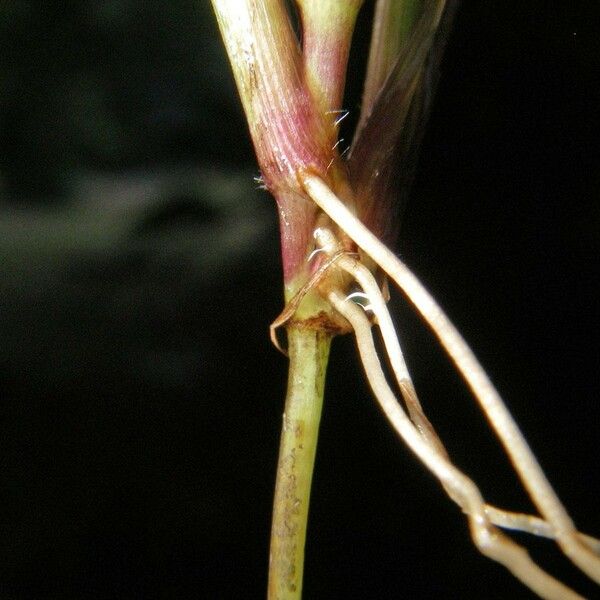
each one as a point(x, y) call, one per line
point(308, 351)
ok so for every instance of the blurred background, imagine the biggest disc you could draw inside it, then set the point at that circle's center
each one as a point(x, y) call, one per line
point(140, 398)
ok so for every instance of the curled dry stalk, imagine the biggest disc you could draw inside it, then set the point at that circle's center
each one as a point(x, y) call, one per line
point(291, 91)
point(523, 459)
point(460, 488)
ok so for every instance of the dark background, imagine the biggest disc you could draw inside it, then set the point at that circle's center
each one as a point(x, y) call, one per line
point(139, 271)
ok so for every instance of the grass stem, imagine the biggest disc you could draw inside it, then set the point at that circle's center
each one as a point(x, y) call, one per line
point(308, 352)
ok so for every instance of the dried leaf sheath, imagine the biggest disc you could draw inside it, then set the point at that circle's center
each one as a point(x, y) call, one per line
point(384, 152)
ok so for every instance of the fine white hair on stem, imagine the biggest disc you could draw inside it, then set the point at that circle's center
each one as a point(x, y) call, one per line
point(517, 448)
point(489, 540)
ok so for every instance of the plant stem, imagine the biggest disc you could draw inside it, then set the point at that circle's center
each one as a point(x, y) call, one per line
point(308, 351)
